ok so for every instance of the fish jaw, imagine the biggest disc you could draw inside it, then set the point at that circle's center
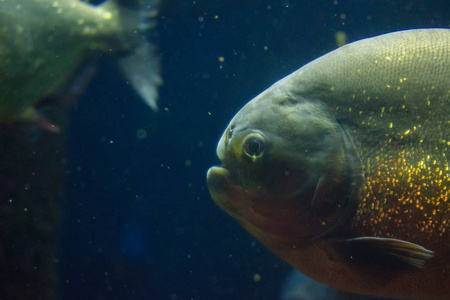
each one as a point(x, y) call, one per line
point(272, 226)
point(222, 189)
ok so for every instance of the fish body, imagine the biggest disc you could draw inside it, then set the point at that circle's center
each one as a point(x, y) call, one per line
point(341, 168)
point(43, 44)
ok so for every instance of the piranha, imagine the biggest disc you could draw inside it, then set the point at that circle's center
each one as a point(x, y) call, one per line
point(342, 167)
point(44, 45)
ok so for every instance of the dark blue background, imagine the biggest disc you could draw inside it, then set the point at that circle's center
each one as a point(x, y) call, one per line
point(139, 222)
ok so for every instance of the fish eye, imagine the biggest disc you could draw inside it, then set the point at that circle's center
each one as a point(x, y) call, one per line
point(254, 146)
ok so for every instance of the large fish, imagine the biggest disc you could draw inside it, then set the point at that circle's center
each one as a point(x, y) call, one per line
point(44, 43)
point(342, 167)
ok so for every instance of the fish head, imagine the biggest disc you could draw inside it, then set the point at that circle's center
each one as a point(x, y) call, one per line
point(275, 153)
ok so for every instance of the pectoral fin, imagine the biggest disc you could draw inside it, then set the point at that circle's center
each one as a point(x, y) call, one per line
point(382, 253)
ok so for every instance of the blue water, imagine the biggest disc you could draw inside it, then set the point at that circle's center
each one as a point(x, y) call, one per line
point(138, 221)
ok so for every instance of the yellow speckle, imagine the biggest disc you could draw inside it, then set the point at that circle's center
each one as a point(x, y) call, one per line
point(216, 17)
point(107, 15)
point(390, 125)
point(256, 277)
point(141, 134)
point(209, 113)
point(388, 58)
point(341, 38)
point(55, 4)
point(387, 85)
point(406, 132)
point(221, 59)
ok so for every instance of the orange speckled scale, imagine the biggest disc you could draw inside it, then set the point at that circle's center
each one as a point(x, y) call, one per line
point(405, 193)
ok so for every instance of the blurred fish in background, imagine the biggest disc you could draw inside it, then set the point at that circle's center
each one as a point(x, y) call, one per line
point(49, 51)
point(45, 45)
point(297, 286)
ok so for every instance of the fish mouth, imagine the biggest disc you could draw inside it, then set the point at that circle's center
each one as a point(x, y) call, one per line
point(222, 169)
point(220, 185)
point(217, 177)
point(226, 193)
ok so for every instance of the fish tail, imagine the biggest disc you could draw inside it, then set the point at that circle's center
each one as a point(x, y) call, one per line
point(139, 62)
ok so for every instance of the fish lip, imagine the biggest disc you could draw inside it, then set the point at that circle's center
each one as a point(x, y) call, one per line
point(220, 170)
point(219, 177)
point(218, 181)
